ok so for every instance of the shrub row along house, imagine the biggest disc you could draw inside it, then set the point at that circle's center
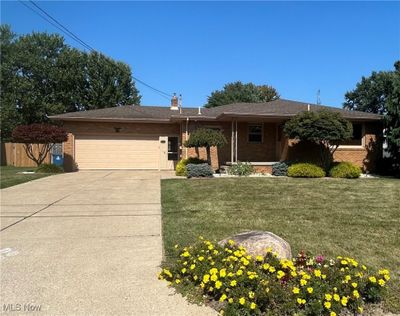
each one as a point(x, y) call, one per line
point(150, 137)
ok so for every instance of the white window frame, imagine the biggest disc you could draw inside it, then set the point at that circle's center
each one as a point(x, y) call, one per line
point(362, 140)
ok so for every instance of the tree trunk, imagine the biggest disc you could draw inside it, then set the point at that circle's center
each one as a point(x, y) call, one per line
point(208, 149)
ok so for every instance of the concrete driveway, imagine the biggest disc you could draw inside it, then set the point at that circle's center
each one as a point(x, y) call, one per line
point(86, 243)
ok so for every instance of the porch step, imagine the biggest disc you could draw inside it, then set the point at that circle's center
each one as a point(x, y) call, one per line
point(223, 169)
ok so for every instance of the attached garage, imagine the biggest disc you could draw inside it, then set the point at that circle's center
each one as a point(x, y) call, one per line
point(117, 152)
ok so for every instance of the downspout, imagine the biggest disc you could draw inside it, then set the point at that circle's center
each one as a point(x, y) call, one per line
point(186, 136)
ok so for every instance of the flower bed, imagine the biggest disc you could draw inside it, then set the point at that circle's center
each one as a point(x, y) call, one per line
point(238, 284)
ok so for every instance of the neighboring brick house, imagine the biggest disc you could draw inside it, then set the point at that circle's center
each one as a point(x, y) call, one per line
point(149, 137)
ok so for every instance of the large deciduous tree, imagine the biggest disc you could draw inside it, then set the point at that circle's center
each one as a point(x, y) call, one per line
point(392, 119)
point(325, 128)
point(42, 76)
point(206, 137)
point(239, 92)
point(38, 139)
point(380, 93)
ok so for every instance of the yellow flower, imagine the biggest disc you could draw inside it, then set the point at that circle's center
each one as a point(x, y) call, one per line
point(202, 285)
point(195, 277)
point(177, 281)
point(303, 282)
point(301, 301)
point(317, 273)
point(214, 277)
point(280, 274)
point(230, 300)
point(222, 298)
point(296, 290)
point(176, 246)
point(328, 297)
point(218, 285)
point(360, 309)
point(265, 266)
point(271, 269)
point(344, 301)
point(344, 262)
point(239, 272)
point(293, 274)
point(332, 314)
point(253, 305)
point(242, 301)
point(186, 254)
point(213, 271)
point(206, 278)
point(251, 294)
point(310, 290)
point(210, 289)
point(259, 258)
point(210, 247)
point(222, 273)
point(372, 279)
point(381, 282)
point(327, 305)
point(356, 294)
point(201, 258)
point(347, 278)
point(233, 283)
point(336, 297)
point(354, 284)
point(323, 276)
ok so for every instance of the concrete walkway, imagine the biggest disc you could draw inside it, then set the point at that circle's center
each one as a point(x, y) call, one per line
point(86, 243)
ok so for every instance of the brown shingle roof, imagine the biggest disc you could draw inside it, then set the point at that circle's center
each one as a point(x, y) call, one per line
point(278, 108)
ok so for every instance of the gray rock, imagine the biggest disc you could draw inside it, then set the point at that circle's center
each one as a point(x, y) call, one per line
point(256, 243)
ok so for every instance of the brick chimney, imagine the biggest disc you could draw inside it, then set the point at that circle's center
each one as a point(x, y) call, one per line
point(174, 102)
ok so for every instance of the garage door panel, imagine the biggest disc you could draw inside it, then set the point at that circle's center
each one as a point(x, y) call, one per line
point(117, 152)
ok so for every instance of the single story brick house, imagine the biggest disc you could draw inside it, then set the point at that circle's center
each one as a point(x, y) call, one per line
point(152, 137)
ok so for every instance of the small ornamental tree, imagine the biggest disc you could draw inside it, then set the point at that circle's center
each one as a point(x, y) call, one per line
point(325, 128)
point(40, 136)
point(206, 137)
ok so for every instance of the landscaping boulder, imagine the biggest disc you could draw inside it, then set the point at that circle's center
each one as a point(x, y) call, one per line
point(256, 243)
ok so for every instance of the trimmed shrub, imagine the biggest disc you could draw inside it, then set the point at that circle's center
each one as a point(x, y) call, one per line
point(199, 170)
point(180, 169)
point(49, 168)
point(345, 170)
point(280, 168)
point(305, 170)
point(241, 169)
point(236, 283)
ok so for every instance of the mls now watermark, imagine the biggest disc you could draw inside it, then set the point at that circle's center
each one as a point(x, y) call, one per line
point(32, 308)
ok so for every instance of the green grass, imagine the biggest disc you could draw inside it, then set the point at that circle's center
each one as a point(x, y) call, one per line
point(9, 176)
point(358, 218)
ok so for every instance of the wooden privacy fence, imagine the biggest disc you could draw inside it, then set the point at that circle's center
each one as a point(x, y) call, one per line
point(13, 154)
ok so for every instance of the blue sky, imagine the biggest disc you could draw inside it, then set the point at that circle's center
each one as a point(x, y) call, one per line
point(194, 48)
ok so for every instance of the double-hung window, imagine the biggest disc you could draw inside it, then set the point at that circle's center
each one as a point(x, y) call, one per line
point(255, 133)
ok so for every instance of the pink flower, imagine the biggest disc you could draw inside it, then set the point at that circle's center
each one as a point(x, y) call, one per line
point(319, 259)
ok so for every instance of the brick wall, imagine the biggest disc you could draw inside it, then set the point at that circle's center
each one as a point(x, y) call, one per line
point(364, 156)
point(266, 151)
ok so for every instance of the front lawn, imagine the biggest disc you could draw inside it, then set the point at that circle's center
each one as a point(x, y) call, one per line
point(10, 176)
point(358, 218)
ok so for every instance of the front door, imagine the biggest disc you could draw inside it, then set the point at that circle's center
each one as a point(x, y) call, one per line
point(169, 152)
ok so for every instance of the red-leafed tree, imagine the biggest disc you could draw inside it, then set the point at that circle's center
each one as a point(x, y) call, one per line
point(40, 136)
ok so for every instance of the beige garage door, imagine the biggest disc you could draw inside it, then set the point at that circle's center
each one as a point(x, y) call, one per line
point(117, 152)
